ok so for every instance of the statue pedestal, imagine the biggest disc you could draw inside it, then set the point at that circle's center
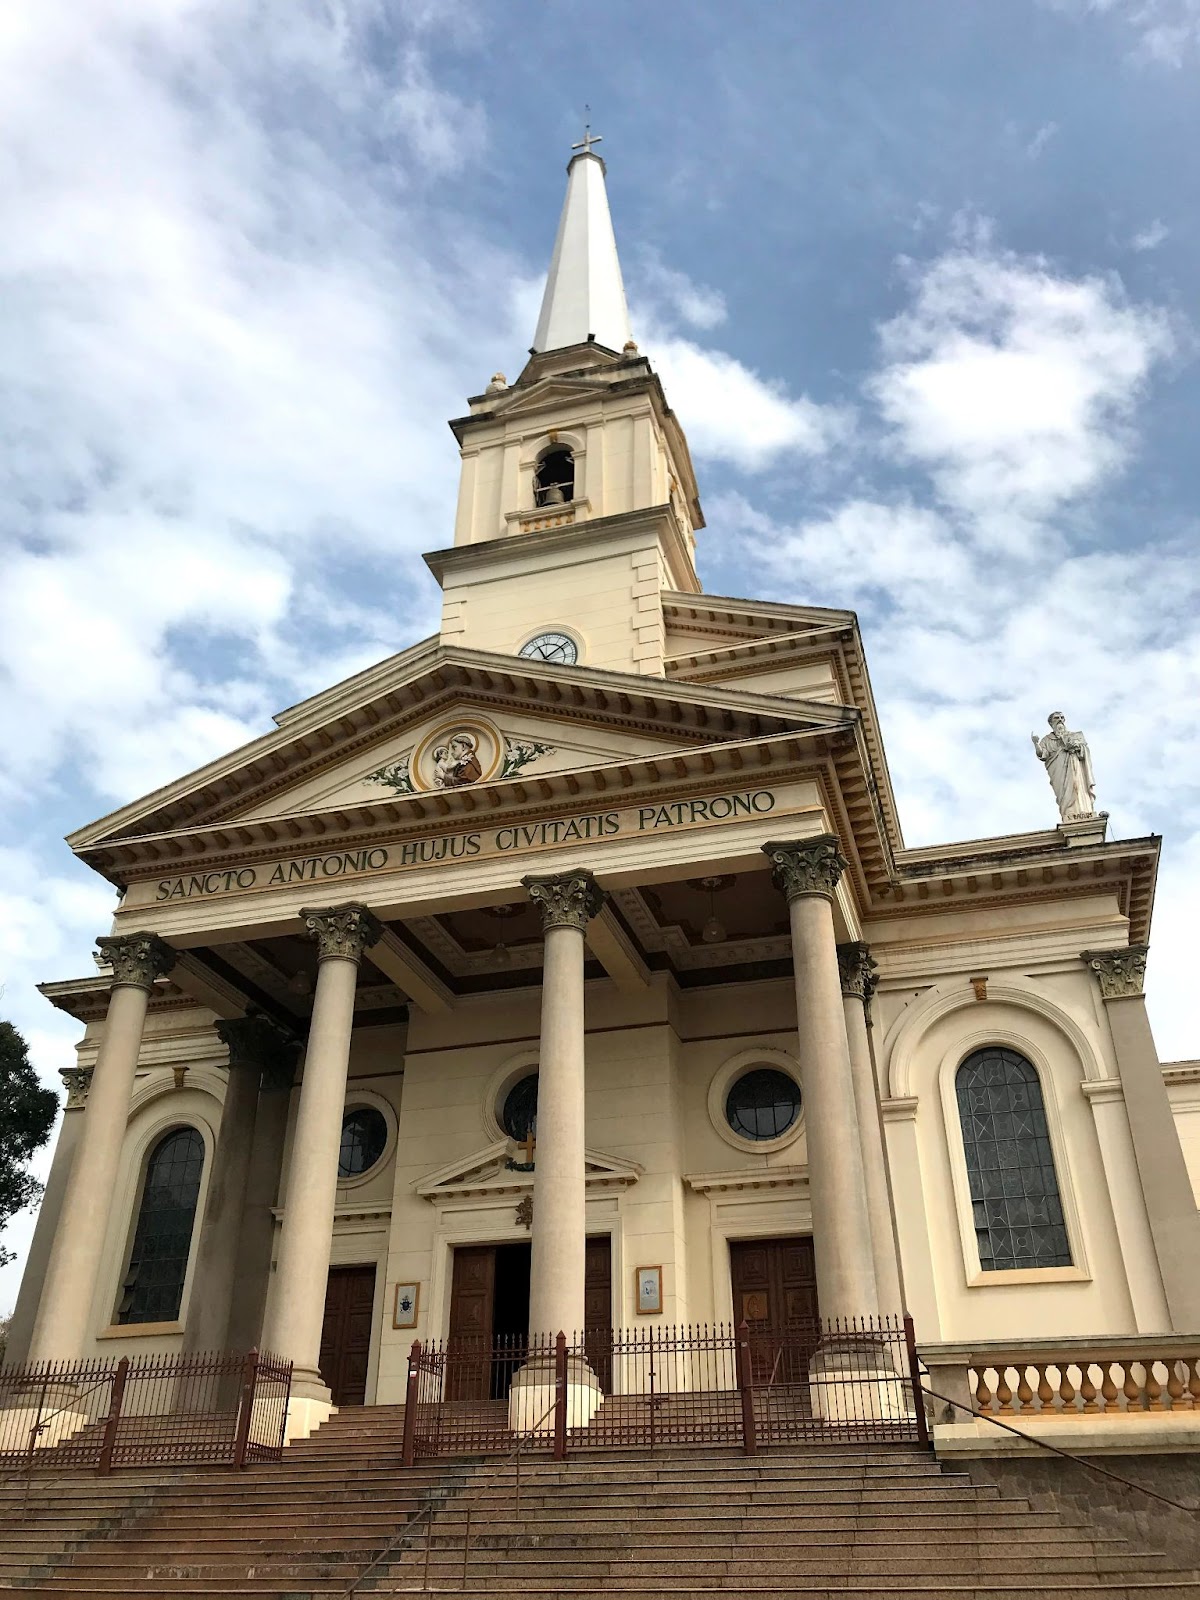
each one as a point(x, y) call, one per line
point(1084, 830)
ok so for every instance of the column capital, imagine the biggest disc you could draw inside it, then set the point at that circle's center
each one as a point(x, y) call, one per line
point(1120, 972)
point(565, 899)
point(258, 1044)
point(857, 969)
point(342, 932)
point(77, 1081)
point(806, 866)
point(136, 959)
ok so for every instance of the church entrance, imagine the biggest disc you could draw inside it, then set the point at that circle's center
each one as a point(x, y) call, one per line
point(346, 1333)
point(775, 1292)
point(489, 1315)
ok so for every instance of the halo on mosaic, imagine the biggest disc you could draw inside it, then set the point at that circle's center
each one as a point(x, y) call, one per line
point(457, 754)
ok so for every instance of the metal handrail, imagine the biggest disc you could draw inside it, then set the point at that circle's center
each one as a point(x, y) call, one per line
point(1044, 1444)
point(41, 1423)
point(428, 1512)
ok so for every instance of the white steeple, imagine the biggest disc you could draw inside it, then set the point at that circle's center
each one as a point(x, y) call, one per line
point(585, 298)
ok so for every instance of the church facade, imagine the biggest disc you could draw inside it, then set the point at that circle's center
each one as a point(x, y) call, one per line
point(569, 970)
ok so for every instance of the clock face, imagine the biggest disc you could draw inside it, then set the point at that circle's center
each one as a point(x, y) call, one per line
point(557, 647)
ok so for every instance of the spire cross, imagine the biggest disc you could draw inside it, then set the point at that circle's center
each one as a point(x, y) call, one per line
point(588, 140)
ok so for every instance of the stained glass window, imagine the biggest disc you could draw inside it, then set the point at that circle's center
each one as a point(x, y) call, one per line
point(153, 1286)
point(763, 1104)
point(364, 1139)
point(1010, 1164)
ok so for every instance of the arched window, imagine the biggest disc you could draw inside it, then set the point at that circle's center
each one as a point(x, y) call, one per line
point(153, 1286)
point(518, 1114)
point(554, 479)
point(1010, 1165)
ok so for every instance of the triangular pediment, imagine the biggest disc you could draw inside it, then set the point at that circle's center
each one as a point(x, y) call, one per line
point(501, 1169)
point(380, 736)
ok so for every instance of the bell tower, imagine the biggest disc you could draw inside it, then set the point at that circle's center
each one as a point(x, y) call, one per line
point(577, 501)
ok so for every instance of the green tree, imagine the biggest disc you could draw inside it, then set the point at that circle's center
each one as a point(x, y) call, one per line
point(27, 1113)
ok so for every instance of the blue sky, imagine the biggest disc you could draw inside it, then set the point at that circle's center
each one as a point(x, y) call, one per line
point(919, 275)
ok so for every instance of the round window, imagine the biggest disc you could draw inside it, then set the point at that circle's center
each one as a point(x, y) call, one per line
point(364, 1138)
point(518, 1116)
point(763, 1104)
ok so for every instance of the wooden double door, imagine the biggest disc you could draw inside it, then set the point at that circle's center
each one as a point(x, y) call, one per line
point(489, 1316)
point(346, 1333)
point(775, 1292)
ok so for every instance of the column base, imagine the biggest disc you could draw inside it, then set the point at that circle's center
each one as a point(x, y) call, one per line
point(309, 1404)
point(532, 1395)
point(852, 1379)
point(16, 1423)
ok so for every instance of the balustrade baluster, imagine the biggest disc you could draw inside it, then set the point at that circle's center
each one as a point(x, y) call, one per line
point(1087, 1388)
point(1131, 1389)
point(1003, 1392)
point(1024, 1392)
point(1193, 1367)
point(1175, 1387)
point(1108, 1388)
point(1045, 1392)
point(1153, 1387)
point(983, 1395)
point(1066, 1389)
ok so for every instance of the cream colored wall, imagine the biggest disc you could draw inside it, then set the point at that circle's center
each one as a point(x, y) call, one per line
point(606, 593)
point(1183, 1090)
point(1046, 1009)
point(813, 680)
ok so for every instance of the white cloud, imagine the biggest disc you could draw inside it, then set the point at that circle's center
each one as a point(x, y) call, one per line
point(1165, 31)
point(1041, 139)
point(732, 414)
point(669, 290)
point(1150, 238)
point(1012, 385)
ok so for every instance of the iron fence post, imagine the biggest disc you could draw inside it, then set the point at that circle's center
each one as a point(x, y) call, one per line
point(746, 1385)
point(914, 1373)
point(560, 1397)
point(116, 1396)
point(410, 1404)
point(245, 1408)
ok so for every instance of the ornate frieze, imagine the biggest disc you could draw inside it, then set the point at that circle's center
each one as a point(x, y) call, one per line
point(1120, 972)
point(342, 932)
point(136, 959)
point(806, 866)
point(565, 899)
point(857, 970)
point(77, 1080)
point(257, 1044)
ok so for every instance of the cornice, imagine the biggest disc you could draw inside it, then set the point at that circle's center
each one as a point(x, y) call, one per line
point(437, 680)
point(747, 1178)
point(528, 798)
point(549, 545)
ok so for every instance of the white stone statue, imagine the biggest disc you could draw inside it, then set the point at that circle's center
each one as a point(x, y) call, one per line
point(1068, 763)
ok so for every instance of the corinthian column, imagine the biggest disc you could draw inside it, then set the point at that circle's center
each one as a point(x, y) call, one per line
point(297, 1305)
point(807, 871)
point(65, 1309)
point(255, 1045)
point(857, 972)
point(567, 902)
point(1170, 1201)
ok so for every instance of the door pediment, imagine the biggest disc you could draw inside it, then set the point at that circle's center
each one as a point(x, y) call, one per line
point(498, 1170)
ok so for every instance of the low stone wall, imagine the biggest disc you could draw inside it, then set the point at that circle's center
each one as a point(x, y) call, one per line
point(1068, 1487)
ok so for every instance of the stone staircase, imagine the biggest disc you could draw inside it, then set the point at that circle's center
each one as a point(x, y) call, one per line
point(875, 1521)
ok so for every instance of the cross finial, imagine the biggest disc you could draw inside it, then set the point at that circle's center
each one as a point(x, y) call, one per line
point(589, 139)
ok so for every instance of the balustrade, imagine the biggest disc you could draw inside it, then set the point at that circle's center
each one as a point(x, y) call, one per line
point(1151, 1376)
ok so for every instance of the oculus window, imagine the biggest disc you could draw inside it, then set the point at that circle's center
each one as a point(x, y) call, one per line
point(364, 1139)
point(763, 1104)
point(153, 1286)
point(518, 1114)
point(1015, 1202)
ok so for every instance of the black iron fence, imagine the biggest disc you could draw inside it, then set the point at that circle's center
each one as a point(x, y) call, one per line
point(838, 1381)
point(208, 1410)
